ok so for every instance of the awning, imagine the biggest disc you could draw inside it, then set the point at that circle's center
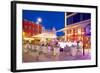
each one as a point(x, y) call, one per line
point(46, 35)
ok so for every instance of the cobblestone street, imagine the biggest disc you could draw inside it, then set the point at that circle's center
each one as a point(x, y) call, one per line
point(63, 56)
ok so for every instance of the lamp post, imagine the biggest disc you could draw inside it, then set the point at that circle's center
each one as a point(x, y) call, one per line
point(83, 42)
point(39, 20)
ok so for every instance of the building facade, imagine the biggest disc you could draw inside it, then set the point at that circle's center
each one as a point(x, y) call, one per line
point(31, 28)
point(79, 32)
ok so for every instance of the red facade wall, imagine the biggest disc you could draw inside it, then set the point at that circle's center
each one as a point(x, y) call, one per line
point(30, 28)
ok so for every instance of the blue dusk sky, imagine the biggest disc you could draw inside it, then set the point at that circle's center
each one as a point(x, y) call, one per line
point(50, 19)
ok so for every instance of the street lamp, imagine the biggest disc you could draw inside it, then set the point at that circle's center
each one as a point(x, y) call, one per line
point(39, 20)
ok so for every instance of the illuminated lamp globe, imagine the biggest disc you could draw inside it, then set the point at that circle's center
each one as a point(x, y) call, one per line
point(39, 20)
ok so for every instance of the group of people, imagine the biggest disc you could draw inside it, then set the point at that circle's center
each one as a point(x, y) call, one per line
point(55, 49)
point(41, 49)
